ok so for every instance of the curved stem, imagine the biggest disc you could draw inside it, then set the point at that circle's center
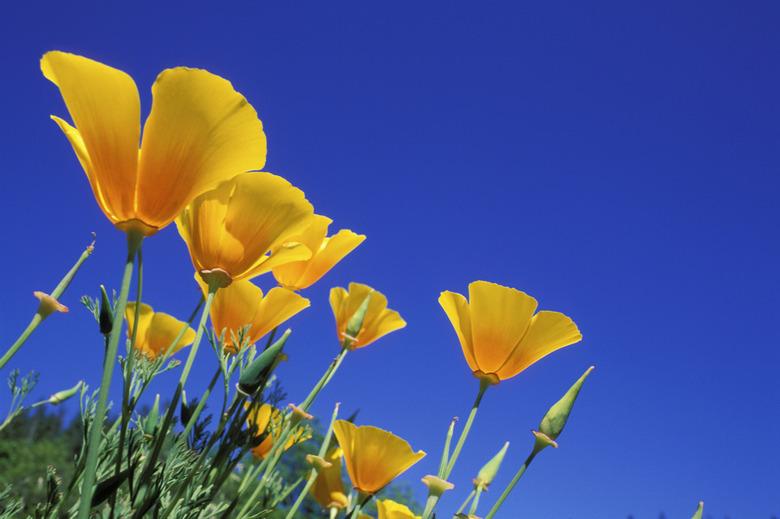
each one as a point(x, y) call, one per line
point(466, 502)
point(201, 404)
point(483, 385)
point(39, 317)
point(512, 483)
point(93, 445)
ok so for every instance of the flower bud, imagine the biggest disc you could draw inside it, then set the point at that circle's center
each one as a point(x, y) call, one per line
point(259, 369)
point(488, 472)
point(554, 421)
point(150, 423)
point(699, 511)
point(355, 322)
point(61, 396)
point(106, 314)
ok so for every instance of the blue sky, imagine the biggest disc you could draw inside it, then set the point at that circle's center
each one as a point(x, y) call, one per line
point(616, 160)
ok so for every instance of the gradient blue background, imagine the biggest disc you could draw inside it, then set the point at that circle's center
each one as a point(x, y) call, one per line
point(619, 162)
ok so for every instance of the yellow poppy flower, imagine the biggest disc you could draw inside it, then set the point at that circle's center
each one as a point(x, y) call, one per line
point(389, 509)
point(379, 319)
point(326, 252)
point(499, 332)
point(156, 331)
point(242, 303)
point(230, 230)
point(374, 457)
point(200, 132)
point(267, 421)
point(328, 488)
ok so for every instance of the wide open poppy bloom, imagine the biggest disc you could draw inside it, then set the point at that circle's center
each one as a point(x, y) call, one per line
point(199, 133)
point(156, 331)
point(326, 252)
point(232, 230)
point(374, 457)
point(379, 320)
point(389, 509)
point(267, 421)
point(242, 303)
point(499, 332)
point(328, 488)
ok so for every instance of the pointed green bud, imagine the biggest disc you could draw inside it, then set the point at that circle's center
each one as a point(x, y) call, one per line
point(61, 396)
point(257, 372)
point(555, 420)
point(355, 322)
point(699, 511)
point(489, 471)
point(106, 315)
point(150, 423)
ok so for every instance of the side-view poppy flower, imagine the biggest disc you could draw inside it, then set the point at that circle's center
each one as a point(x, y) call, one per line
point(326, 252)
point(389, 509)
point(200, 132)
point(499, 333)
point(373, 457)
point(231, 230)
point(267, 421)
point(328, 488)
point(378, 321)
point(243, 304)
point(156, 331)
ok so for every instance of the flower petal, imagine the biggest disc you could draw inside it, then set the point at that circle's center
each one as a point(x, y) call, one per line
point(500, 317)
point(548, 332)
point(457, 309)
point(104, 105)
point(163, 330)
point(199, 133)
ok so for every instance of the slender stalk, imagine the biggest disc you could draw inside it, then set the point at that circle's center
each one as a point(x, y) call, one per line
point(313, 474)
point(475, 503)
point(39, 317)
point(512, 483)
point(323, 381)
point(93, 446)
point(466, 502)
point(201, 403)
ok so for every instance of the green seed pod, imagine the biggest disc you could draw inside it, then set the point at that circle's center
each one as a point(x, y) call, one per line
point(258, 370)
point(699, 511)
point(61, 396)
point(554, 421)
point(106, 316)
point(488, 472)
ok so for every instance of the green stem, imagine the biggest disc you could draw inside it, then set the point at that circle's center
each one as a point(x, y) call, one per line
point(313, 475)
point(93, 446)
point(483, 385)
point(512, 483)
point(466, 502)
point(475, 503)
point(201, 404)
point(39, 317)
point(332, 368)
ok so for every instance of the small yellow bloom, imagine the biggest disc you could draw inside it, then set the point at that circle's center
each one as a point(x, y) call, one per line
point(242, 303)
point(326, 252)
point(374, 457)
point(389, 509)
point(267, 422)
point(200, 132)
point(499, 332)
point(156, 331)
point(230, 230)
point(379, 320)
point(328, 488)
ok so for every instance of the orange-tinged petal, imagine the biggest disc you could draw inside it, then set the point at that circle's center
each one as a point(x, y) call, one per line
point(548, 332)
point(199, 133)
point(242, 303)
point(500, 317)
point(457, 309)
point(235, 226)
point(326, 253)
point(104, 105)
point(156, 330)
point(373, 457)
point(389, 509)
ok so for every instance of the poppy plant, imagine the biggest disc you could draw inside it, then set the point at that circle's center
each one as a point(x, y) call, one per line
point(377, 322)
